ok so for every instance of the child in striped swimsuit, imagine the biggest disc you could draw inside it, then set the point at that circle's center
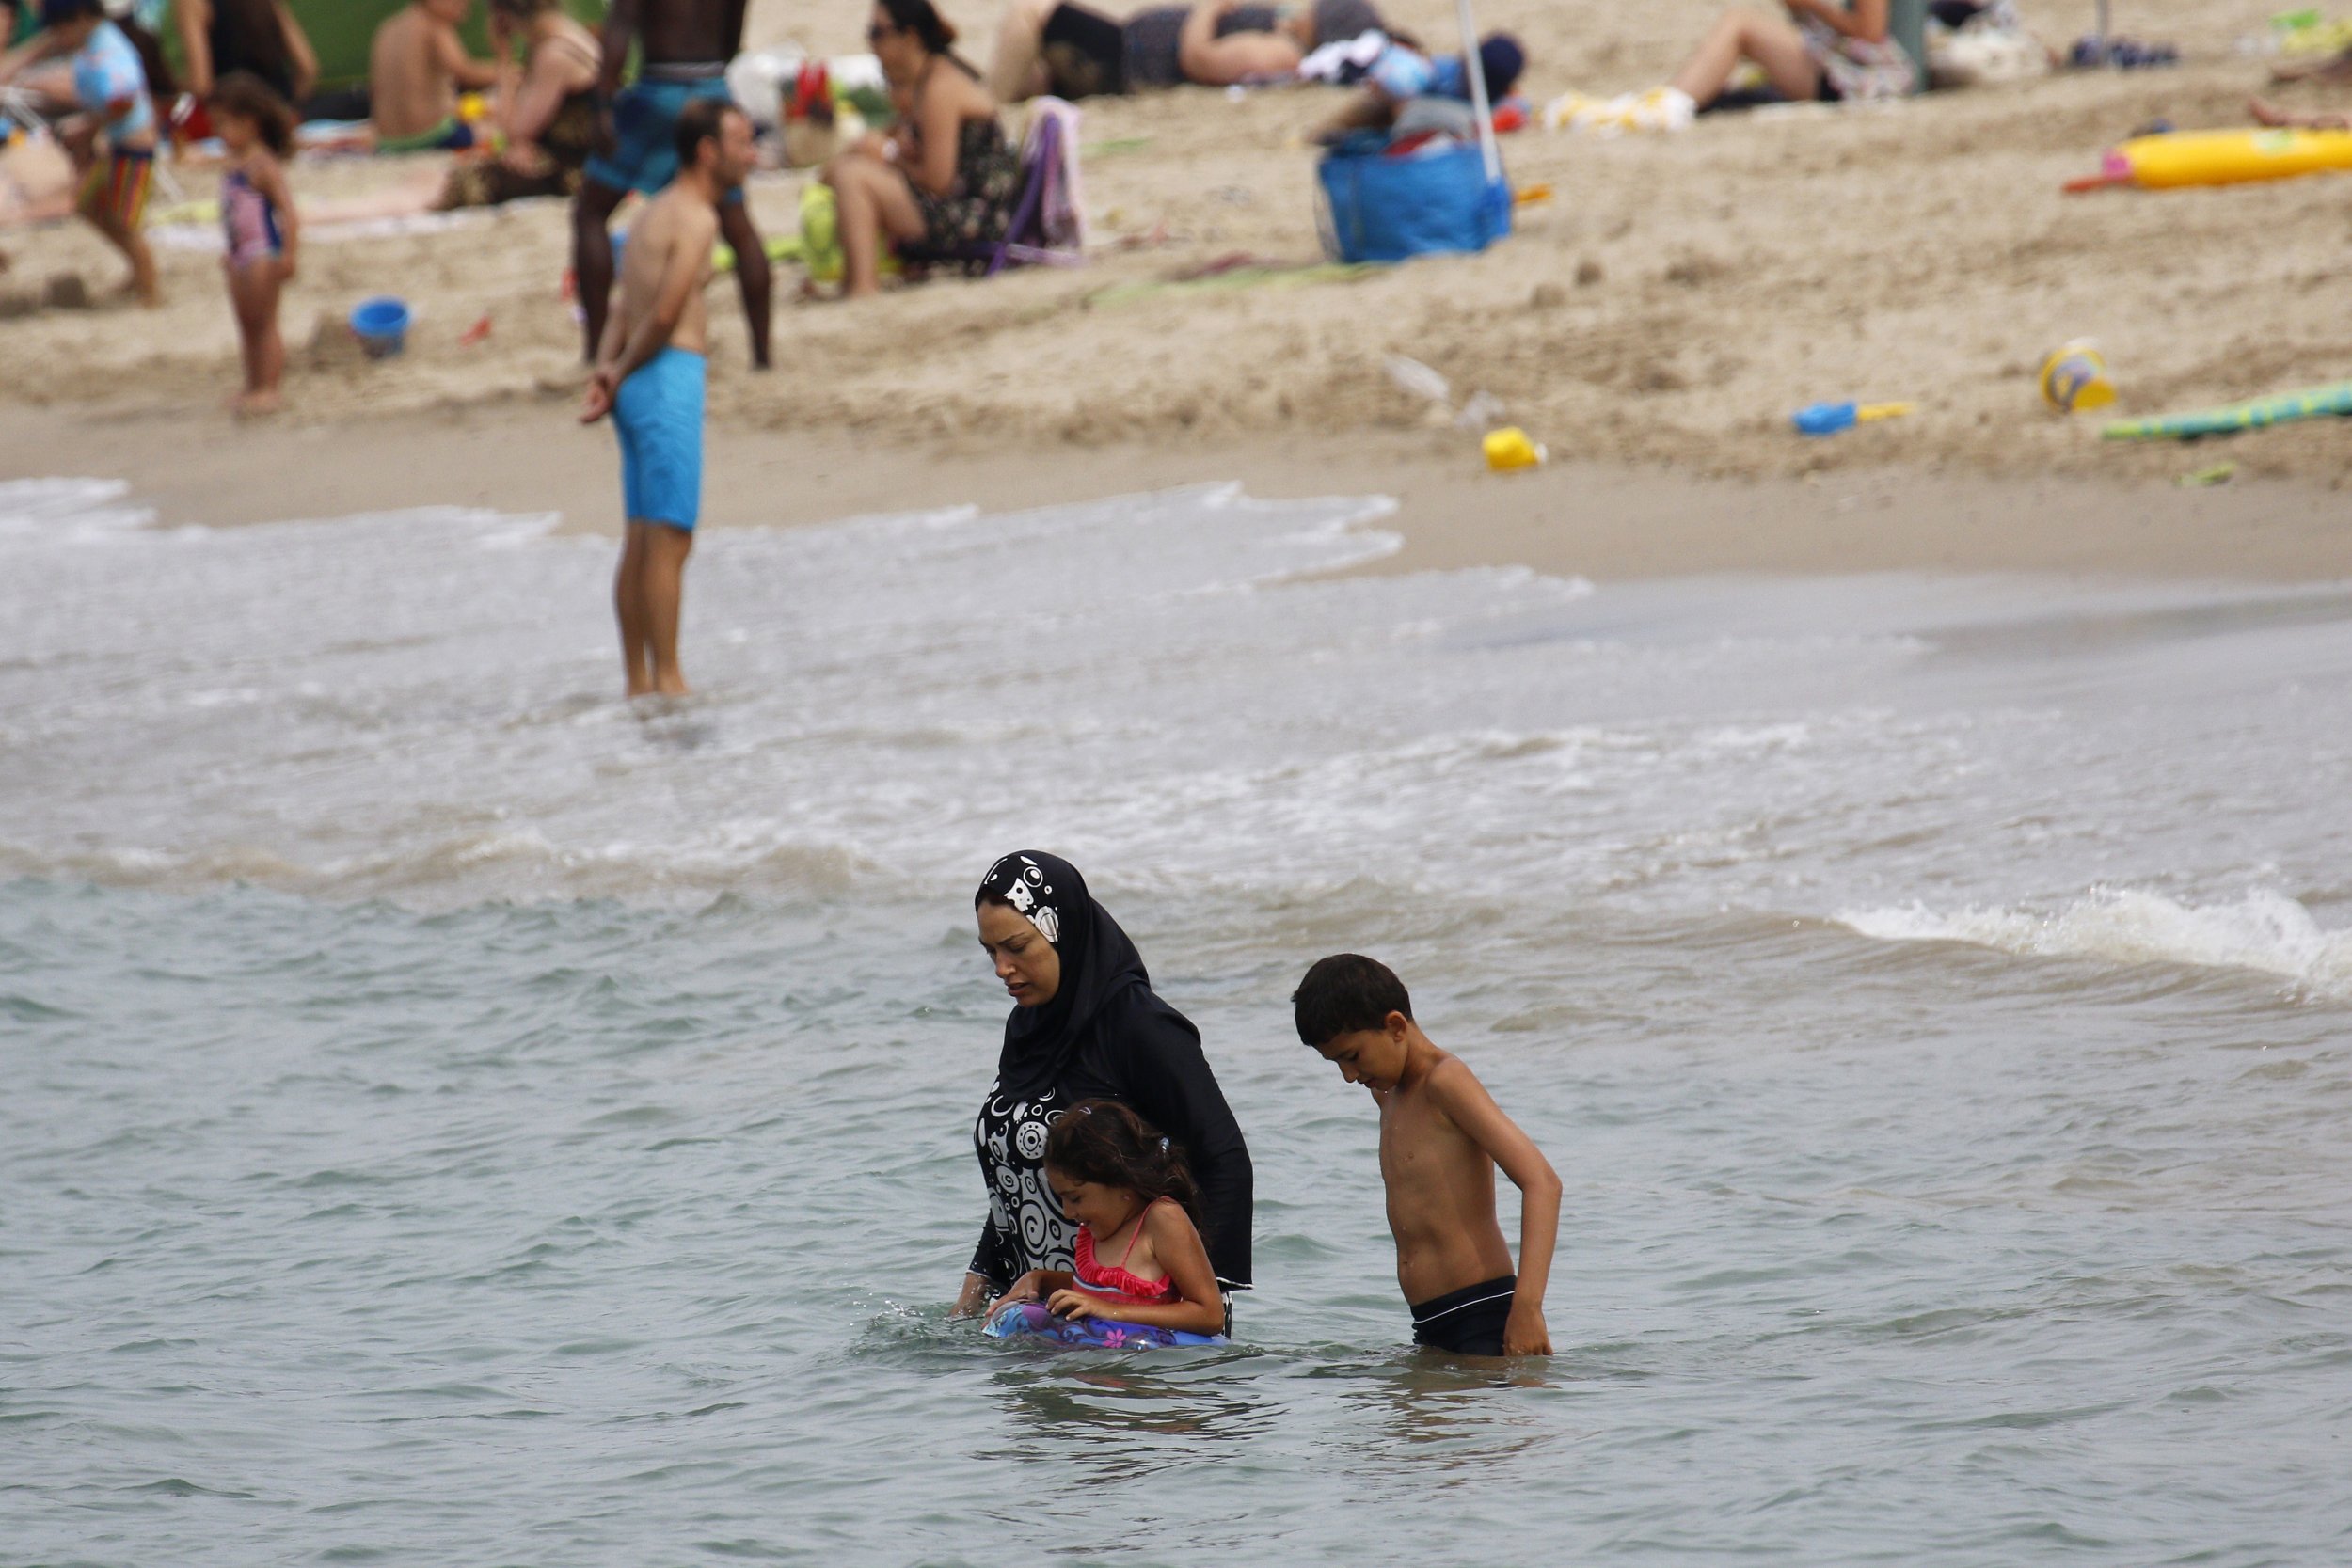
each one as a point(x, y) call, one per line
point(259, 226)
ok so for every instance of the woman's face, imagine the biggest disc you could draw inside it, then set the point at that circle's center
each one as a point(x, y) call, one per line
point(1025, 960)
point(899, 51)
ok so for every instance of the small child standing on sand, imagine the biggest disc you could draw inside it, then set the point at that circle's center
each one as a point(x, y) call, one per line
point(259, 225)
point(1129, 1191)
point(1441, 1136)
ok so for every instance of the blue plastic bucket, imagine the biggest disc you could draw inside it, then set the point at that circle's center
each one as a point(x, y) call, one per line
point(381, 324)
point(1382, 209)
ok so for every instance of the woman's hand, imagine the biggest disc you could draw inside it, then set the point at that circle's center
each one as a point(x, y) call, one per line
point(1023, 1289)
point(1072, 1305)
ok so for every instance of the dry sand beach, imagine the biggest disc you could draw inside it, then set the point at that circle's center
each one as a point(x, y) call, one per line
point(1653, 323)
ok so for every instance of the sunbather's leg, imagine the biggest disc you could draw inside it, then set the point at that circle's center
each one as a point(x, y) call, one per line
point(875, 205)
point(2335, 67)
point(2271, 115)
point(752, 271)
point(592, 257)
point(1014, 70)
point(1738, 35)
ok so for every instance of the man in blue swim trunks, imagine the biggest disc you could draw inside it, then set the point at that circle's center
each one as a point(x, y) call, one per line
point(649, 377)
point(686, 46)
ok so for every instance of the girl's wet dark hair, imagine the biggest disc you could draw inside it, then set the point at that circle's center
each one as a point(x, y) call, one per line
point(1104, 1142)
point(922, 19)
point(244, 94)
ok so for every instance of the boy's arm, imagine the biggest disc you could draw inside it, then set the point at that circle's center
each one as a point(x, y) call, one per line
point(1458, 1093)
point(450, 55)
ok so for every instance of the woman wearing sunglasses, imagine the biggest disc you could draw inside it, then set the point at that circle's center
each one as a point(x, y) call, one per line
point(944, 180)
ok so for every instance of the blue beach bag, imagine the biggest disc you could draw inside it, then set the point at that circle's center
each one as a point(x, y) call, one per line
point(1381, 209)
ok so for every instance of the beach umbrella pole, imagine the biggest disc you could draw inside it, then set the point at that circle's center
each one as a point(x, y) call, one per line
point(1476, 69)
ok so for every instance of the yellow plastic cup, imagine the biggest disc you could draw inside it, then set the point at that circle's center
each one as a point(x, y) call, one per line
point(2075, 376)
point(1508, 449)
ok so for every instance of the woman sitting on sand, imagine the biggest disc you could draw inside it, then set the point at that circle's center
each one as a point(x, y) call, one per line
point(1821, 50)
point(547, 116)
point(1065, 49)
point(945, 179)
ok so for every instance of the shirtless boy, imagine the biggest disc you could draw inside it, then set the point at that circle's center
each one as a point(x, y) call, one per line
point(416, 67)
point(684, 47)
point(1441, 1136)
point(649, 376)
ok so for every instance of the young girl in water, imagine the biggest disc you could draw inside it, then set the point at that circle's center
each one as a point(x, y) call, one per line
point(257, 216)
point(1127, 1188)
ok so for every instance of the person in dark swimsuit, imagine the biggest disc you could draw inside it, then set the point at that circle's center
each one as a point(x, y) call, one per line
point(686, 46)
point(260, 38)
point(1086, 1025)
point(1070, 51)
point(549, 115)
point(945, 179)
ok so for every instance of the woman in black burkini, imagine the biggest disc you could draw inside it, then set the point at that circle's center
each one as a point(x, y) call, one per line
point(1086, 1025)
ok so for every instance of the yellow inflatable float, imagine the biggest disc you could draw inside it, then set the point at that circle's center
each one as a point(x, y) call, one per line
point(2180, 158)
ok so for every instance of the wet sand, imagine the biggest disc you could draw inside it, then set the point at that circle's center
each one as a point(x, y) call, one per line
point(1602, 521)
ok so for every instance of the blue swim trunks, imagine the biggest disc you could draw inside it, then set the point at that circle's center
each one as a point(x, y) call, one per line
point(645, 134)
point(658, 418)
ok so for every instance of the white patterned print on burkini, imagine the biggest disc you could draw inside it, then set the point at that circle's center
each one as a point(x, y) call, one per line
point(1020, 1204)
point(1027, 896)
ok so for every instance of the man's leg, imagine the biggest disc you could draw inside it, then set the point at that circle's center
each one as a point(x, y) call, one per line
point(592, 255)
point(664, 580)
point(628, 603)
point(752, 271)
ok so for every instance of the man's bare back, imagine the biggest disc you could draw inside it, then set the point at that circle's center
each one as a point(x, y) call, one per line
point(688, 32)
point(409, 88)
point(1441, 1186)
point(679, 217)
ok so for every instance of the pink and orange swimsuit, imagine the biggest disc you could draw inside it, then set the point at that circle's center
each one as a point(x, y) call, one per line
point(1115, 1278)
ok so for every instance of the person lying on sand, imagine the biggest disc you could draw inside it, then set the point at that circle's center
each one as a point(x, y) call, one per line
point(416, 68)
point(1400, 74)
point(2266, 112)
point(1821, 50)
point(2335, 69)
point(1060, 47)
point(945, 179)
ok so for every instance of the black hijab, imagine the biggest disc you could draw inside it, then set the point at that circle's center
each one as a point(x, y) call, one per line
point(1097, 963)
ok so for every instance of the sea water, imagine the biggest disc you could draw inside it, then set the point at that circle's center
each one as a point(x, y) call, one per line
point(455, 1117)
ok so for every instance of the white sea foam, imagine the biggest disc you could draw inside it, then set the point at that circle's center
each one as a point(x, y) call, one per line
point(1181, 686)
point(2265, 931)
